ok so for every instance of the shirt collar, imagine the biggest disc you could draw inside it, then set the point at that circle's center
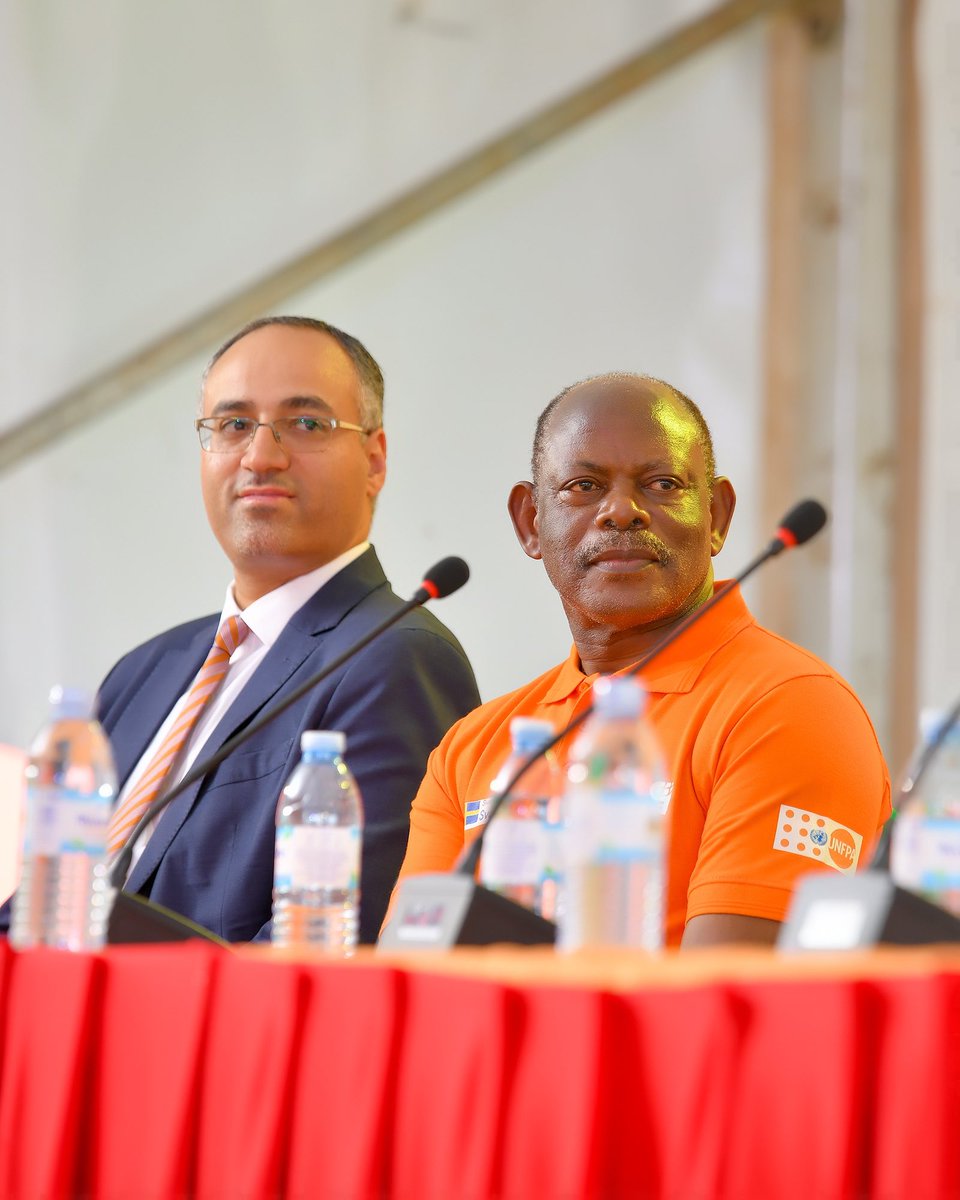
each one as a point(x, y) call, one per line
point(267, 617)
point(678, 667)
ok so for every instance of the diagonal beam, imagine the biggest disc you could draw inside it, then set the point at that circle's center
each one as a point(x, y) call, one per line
point(111, 387)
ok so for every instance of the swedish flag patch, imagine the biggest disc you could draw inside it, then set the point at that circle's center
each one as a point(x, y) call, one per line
point(474, 813)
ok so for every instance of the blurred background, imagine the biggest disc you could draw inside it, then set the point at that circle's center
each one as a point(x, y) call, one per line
point(755, 201)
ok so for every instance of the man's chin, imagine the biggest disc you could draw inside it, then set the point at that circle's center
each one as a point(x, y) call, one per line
point(624, 615)
point(259, 545)
point(617, 605)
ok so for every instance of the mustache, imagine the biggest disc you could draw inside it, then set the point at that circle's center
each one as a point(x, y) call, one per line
point(626, 542)
point(268, 479)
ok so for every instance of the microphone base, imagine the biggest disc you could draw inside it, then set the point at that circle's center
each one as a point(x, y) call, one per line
point(849, 912)
point(134, 919)
point(435, 912)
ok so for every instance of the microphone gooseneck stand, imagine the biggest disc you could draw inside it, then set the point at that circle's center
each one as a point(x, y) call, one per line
point(134, 918)
point(437, 910)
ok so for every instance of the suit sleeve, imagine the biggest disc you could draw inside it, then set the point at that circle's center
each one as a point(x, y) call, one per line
point(394, 703)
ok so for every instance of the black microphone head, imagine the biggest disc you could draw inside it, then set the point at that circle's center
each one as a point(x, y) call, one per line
point(445, 577)
point(802, 522)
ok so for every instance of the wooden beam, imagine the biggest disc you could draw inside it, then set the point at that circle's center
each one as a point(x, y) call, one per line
point(906, 512)
point(841, 247)
point(787, 370)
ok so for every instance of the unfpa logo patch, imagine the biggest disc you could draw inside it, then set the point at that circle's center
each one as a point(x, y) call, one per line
point(810, 835)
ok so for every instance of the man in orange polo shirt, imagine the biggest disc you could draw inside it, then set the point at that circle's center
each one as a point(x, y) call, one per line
point(774, 763)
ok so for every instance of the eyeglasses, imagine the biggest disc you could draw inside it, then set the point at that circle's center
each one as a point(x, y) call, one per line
point(302, 434)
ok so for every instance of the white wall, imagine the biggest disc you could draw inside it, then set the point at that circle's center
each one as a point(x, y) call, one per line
point(633, 244)
point(157, 157)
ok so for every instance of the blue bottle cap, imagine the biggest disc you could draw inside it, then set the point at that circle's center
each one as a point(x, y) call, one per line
point(529, 734)
point(617, 696)
point(70, 703)
point(323, 741)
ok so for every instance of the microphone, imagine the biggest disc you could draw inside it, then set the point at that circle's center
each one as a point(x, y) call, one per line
point(136, 919)
point(437, 910)
point(443, 578)
point(844, 912)
point(801, 523)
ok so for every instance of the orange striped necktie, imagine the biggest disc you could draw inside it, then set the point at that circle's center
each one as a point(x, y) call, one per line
point(229, 636)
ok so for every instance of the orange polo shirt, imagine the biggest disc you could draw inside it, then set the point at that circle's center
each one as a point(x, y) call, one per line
point(774, 763)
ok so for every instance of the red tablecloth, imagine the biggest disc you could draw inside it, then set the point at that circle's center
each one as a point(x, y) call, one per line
point(189, 1070)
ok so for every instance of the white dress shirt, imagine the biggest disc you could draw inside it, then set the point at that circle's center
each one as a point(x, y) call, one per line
point(266, 619)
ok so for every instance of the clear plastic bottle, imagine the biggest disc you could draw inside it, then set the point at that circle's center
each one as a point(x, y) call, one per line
point(615, 832)
point(63, 898)
point(518, 859)
point(316, 882)
point(925, 850)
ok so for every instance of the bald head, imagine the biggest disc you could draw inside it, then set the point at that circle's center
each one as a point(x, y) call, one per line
point(602, 388)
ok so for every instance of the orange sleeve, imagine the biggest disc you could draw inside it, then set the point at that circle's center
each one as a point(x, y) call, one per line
point(798, 769)
point(436, 820)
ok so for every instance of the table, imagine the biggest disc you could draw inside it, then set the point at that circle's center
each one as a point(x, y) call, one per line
point(191, 1070)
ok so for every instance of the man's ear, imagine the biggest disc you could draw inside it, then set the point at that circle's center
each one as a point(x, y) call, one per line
point(722, 504)
point(523, 513)
point(376, 451)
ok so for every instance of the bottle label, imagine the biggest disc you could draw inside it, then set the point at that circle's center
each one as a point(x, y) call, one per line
point(926, 852)
point(515, 853)
point(316, 856)
point(64, 821)
point(630, 826)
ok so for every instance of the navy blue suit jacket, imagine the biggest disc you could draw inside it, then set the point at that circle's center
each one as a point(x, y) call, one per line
point(210, 856)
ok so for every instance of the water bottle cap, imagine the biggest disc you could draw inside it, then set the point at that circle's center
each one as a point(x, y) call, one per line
point(319, 740)
point(619, 696)
point(930, 721)
point(528, 734)
point(70, 702)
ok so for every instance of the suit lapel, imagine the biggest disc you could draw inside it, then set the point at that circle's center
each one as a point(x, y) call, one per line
point(301, 638)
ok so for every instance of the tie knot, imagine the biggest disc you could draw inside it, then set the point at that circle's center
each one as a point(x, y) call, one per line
point(230, 634)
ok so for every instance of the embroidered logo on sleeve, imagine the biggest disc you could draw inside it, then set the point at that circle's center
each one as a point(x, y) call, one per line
point(817, 838)
point(475, 813)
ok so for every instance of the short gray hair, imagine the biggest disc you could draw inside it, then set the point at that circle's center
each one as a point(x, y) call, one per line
point(366, 366)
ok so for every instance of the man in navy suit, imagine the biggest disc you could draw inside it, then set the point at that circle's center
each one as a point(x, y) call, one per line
point(293, 455)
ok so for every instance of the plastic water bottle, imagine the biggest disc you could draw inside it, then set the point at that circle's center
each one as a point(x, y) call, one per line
point(615, 834)
point(517, 858)
point(925, 851)
point(63, 898)
point(316, 881)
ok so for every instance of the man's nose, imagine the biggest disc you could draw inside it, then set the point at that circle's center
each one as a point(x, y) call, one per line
point(264, 451)
point(622, 509)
